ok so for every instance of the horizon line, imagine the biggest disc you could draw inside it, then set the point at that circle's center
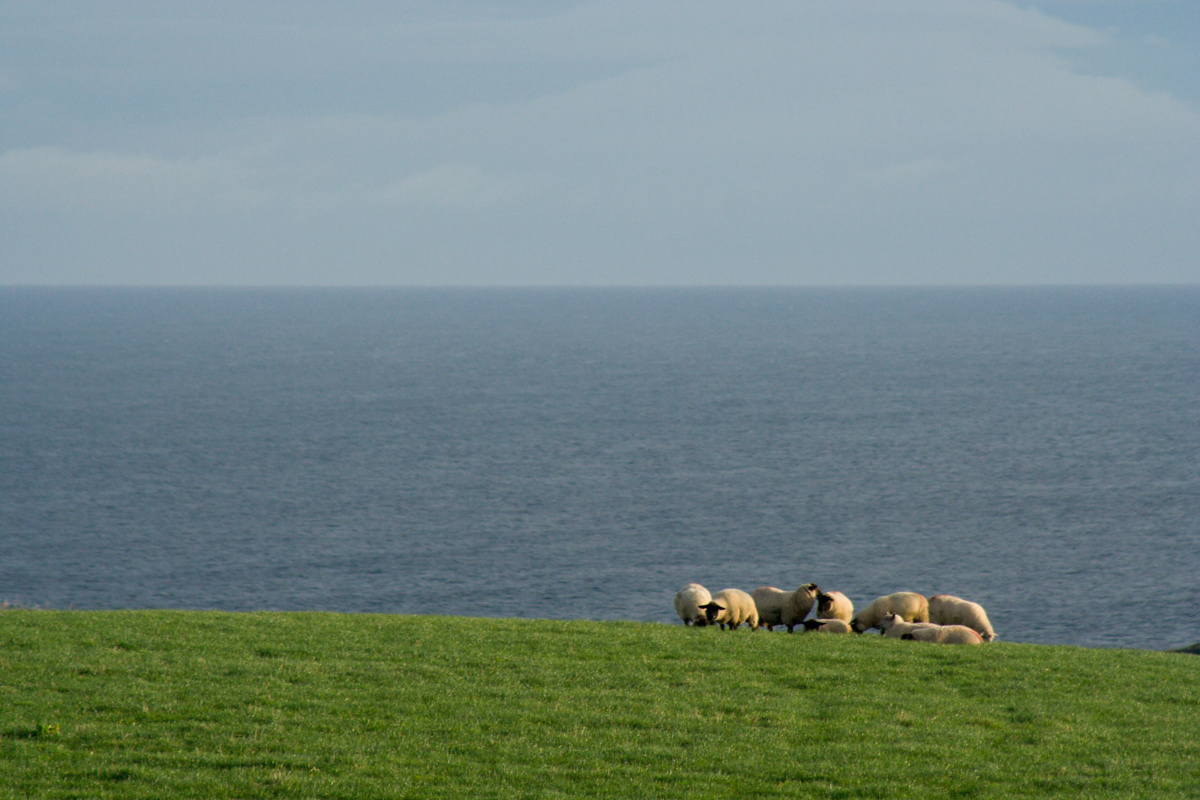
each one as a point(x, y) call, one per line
point(600, 286)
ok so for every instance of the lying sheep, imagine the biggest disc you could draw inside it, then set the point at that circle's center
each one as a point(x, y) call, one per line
point(946, 609)
point(826, 625)
point(945, 634)
point(910, 605)
point(834, 605)
point(777, 607)
point(689, 602)
point(731, 607)
point(894, 626)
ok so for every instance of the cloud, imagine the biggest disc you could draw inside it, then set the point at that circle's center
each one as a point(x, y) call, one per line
point(453, 185)
point(106, 183)
point(805, 142)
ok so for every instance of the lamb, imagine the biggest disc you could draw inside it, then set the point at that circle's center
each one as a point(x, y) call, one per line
point(777, 607)
point(731, 607)
point(946, 609)
point(894, 626)
point(834, 605)
point(689, 602)
point(945, 634)
point(826, 625)
point(909, 605)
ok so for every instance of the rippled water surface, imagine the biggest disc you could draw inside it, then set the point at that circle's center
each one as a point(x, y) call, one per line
point(584, 453)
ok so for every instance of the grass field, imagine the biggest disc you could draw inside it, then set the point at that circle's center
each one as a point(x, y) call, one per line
point(189, 704)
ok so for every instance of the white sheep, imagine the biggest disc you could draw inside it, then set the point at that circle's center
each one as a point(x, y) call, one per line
point(910, 605)
point(731, 607)
point(894, 626)
point(689, 602)
point(945, 634)
point(946, 609)
point(834, 605)
point(827, 625)
point(777, 607)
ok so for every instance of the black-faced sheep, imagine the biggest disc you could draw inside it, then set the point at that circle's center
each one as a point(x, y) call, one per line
point(777, 607)
point(689, 602)
point(834, 605)
point(731, 607)
point(946, 609)
point(826, 626)
point(910, 605)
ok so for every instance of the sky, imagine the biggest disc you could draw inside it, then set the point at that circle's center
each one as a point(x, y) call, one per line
point(809, 142)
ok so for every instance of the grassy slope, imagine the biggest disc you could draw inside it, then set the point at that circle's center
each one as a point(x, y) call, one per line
point(154, 704)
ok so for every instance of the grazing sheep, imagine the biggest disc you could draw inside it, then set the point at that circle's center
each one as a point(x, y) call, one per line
point(834, 605)
point(688, 604)
point(769, 602)
point(894, 626)
point(910, 605)
point(777, 607)
point(731, 607)
point(826, 625)
point(946, 609)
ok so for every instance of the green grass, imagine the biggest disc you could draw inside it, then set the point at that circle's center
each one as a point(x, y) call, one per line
point(186, 704)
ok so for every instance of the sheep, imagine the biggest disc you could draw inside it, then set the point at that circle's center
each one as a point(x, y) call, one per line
point(834, 605)
point(688, 604)
point(826, 625)
point(946, 609)
point(910, 605)
point(731, 607)
point(945, 634)
point(777, 607)
point(894, 626)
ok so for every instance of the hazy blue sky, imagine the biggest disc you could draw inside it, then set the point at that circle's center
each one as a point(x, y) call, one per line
point(580, 143)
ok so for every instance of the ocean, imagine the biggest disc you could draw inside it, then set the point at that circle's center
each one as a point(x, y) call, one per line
point(584, 453)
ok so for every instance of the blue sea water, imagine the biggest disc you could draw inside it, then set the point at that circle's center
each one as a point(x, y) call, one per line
point(583, 453)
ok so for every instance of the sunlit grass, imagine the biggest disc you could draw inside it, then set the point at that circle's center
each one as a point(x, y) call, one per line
point(156, 704)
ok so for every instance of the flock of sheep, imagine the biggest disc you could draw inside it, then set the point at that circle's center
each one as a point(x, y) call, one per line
point(942, 618)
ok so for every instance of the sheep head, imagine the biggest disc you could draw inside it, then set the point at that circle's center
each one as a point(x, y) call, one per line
point(711, 610)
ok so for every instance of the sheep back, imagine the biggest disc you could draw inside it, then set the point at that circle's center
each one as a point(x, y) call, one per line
point(769, 601)
point(910, 605)
point(946, 609)
point(834, 605)
point(945, 634)
point(827, 625)
point(688, 604)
